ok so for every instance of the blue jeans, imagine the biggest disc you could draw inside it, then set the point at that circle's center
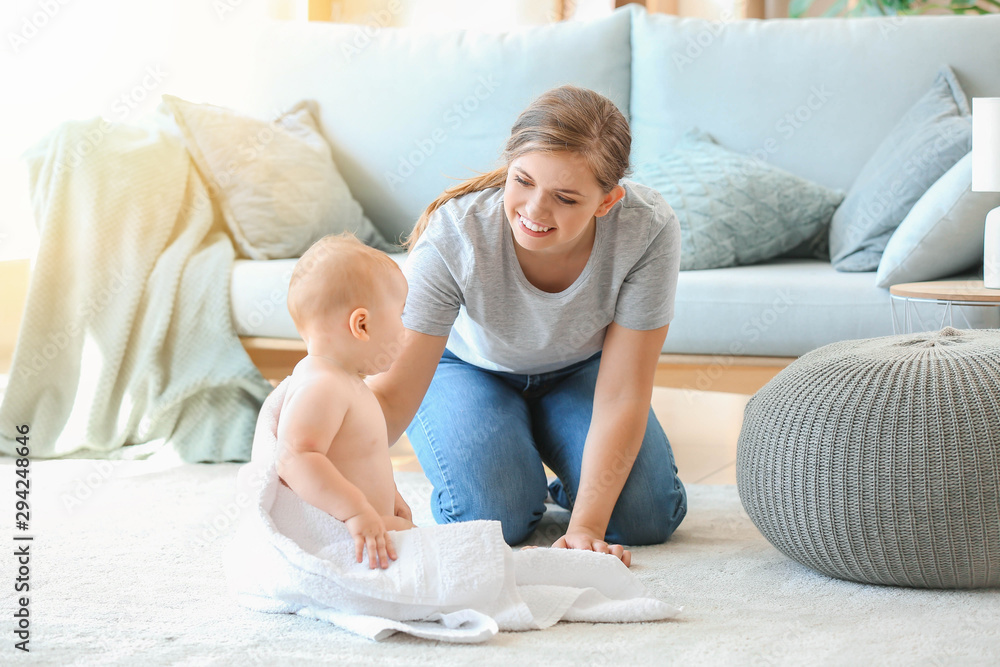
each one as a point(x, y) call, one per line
point(481, 437)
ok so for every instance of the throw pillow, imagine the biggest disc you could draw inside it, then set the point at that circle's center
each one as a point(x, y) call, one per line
point(943, 232)
point(927, 141)
point(735, 209)
point(818, 247)
point(275, 182)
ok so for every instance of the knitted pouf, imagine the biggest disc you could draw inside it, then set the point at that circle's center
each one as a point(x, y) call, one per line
point(878, 460)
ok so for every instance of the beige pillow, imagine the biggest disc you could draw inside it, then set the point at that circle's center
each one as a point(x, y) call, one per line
point(275, 182)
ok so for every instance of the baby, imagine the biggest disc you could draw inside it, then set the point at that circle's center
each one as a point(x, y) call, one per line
point(346, 300)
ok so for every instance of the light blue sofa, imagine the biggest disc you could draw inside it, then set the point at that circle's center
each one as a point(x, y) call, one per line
point(408, 112)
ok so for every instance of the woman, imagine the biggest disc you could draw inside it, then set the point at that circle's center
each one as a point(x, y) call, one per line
point(540, 297)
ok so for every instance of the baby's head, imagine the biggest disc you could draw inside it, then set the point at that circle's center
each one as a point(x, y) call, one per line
point(346, 300)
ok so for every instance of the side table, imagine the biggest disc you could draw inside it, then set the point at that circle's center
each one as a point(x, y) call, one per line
point(947, 293)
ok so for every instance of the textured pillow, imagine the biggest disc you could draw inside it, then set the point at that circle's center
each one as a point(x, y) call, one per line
point(735, 209)
point(943, 232)
point(818, 247)
point(927, 141)
point(276, 183)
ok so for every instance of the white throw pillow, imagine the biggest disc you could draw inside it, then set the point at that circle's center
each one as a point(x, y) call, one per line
point(943, 232)
point(275, 182)
point(925, 143)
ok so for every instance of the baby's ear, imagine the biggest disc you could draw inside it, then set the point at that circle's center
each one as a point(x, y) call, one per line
point(358, 322)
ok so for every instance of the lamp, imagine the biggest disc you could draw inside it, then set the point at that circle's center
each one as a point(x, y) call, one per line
point(986, 178)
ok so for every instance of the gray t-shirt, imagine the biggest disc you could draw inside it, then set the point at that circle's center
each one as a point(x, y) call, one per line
point(466, 283)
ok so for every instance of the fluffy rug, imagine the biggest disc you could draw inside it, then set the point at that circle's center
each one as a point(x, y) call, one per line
point(125, 570)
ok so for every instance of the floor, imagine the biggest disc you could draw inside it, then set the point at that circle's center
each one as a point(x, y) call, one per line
point(133, 574)
point(702, 426)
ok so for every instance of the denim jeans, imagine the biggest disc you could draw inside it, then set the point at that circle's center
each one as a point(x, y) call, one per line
point(481, 437)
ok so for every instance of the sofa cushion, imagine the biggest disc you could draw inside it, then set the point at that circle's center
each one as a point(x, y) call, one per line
point(813, 96)
point(783, 308)
point(928, 140)
point(258, 297)
point(275, 181)
point(735, 209)
point(409, 111)
point(942, 233)
point(786, 308)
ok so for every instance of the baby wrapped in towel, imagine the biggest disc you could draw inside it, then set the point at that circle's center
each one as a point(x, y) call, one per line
point(324, 499)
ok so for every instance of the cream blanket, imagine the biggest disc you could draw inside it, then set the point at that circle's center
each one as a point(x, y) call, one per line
point(458, 582)
point(127, 348)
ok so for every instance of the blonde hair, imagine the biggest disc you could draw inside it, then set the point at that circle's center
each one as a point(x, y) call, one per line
point(336, 272)
point(567, 118)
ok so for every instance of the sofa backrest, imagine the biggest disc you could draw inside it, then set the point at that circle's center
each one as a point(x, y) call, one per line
point(812, 96)
point(410, 112)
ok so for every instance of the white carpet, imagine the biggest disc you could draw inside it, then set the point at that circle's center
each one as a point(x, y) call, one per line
point(125, 570)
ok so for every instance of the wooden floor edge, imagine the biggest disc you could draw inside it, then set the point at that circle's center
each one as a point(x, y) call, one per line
point(276, 357)
point(260, 343)
point(728, 359)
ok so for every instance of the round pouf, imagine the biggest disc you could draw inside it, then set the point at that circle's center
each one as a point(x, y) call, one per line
point(878, 460)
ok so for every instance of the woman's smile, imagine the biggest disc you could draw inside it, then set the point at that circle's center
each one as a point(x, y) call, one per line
point(531, 228)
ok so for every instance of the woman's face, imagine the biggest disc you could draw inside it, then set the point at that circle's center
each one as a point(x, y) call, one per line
point(551, 200)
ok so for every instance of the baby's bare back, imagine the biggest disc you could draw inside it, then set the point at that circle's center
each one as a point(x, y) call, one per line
point(359, 449)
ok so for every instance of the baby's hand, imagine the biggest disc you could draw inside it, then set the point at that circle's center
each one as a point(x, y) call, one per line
point(369, 532)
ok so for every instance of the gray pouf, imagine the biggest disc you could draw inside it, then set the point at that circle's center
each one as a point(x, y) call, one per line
point(878, 460)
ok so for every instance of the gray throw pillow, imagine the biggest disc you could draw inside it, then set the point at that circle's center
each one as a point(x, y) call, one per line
point(818, 247)
point(927, 141)
point(735, 209)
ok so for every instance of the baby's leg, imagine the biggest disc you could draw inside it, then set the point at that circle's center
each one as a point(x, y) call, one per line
point(397, 523)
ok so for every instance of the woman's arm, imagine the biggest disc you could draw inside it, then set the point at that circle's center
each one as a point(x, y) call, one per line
point(621, 407)
point(401, 389)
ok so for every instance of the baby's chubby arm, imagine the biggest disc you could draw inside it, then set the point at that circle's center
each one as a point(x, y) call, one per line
point(311, 417)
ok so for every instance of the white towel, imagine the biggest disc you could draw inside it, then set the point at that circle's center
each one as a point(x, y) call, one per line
point(458, 582)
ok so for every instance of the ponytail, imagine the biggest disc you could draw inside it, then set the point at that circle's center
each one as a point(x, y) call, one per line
point(490, 179)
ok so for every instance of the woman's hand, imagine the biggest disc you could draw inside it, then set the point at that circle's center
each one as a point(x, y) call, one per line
point(401, 509)
point(578, 539)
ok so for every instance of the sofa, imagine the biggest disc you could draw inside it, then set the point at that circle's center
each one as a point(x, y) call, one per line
point(408, 113)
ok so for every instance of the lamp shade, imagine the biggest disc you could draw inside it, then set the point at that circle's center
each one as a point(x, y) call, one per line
point(986, 144)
